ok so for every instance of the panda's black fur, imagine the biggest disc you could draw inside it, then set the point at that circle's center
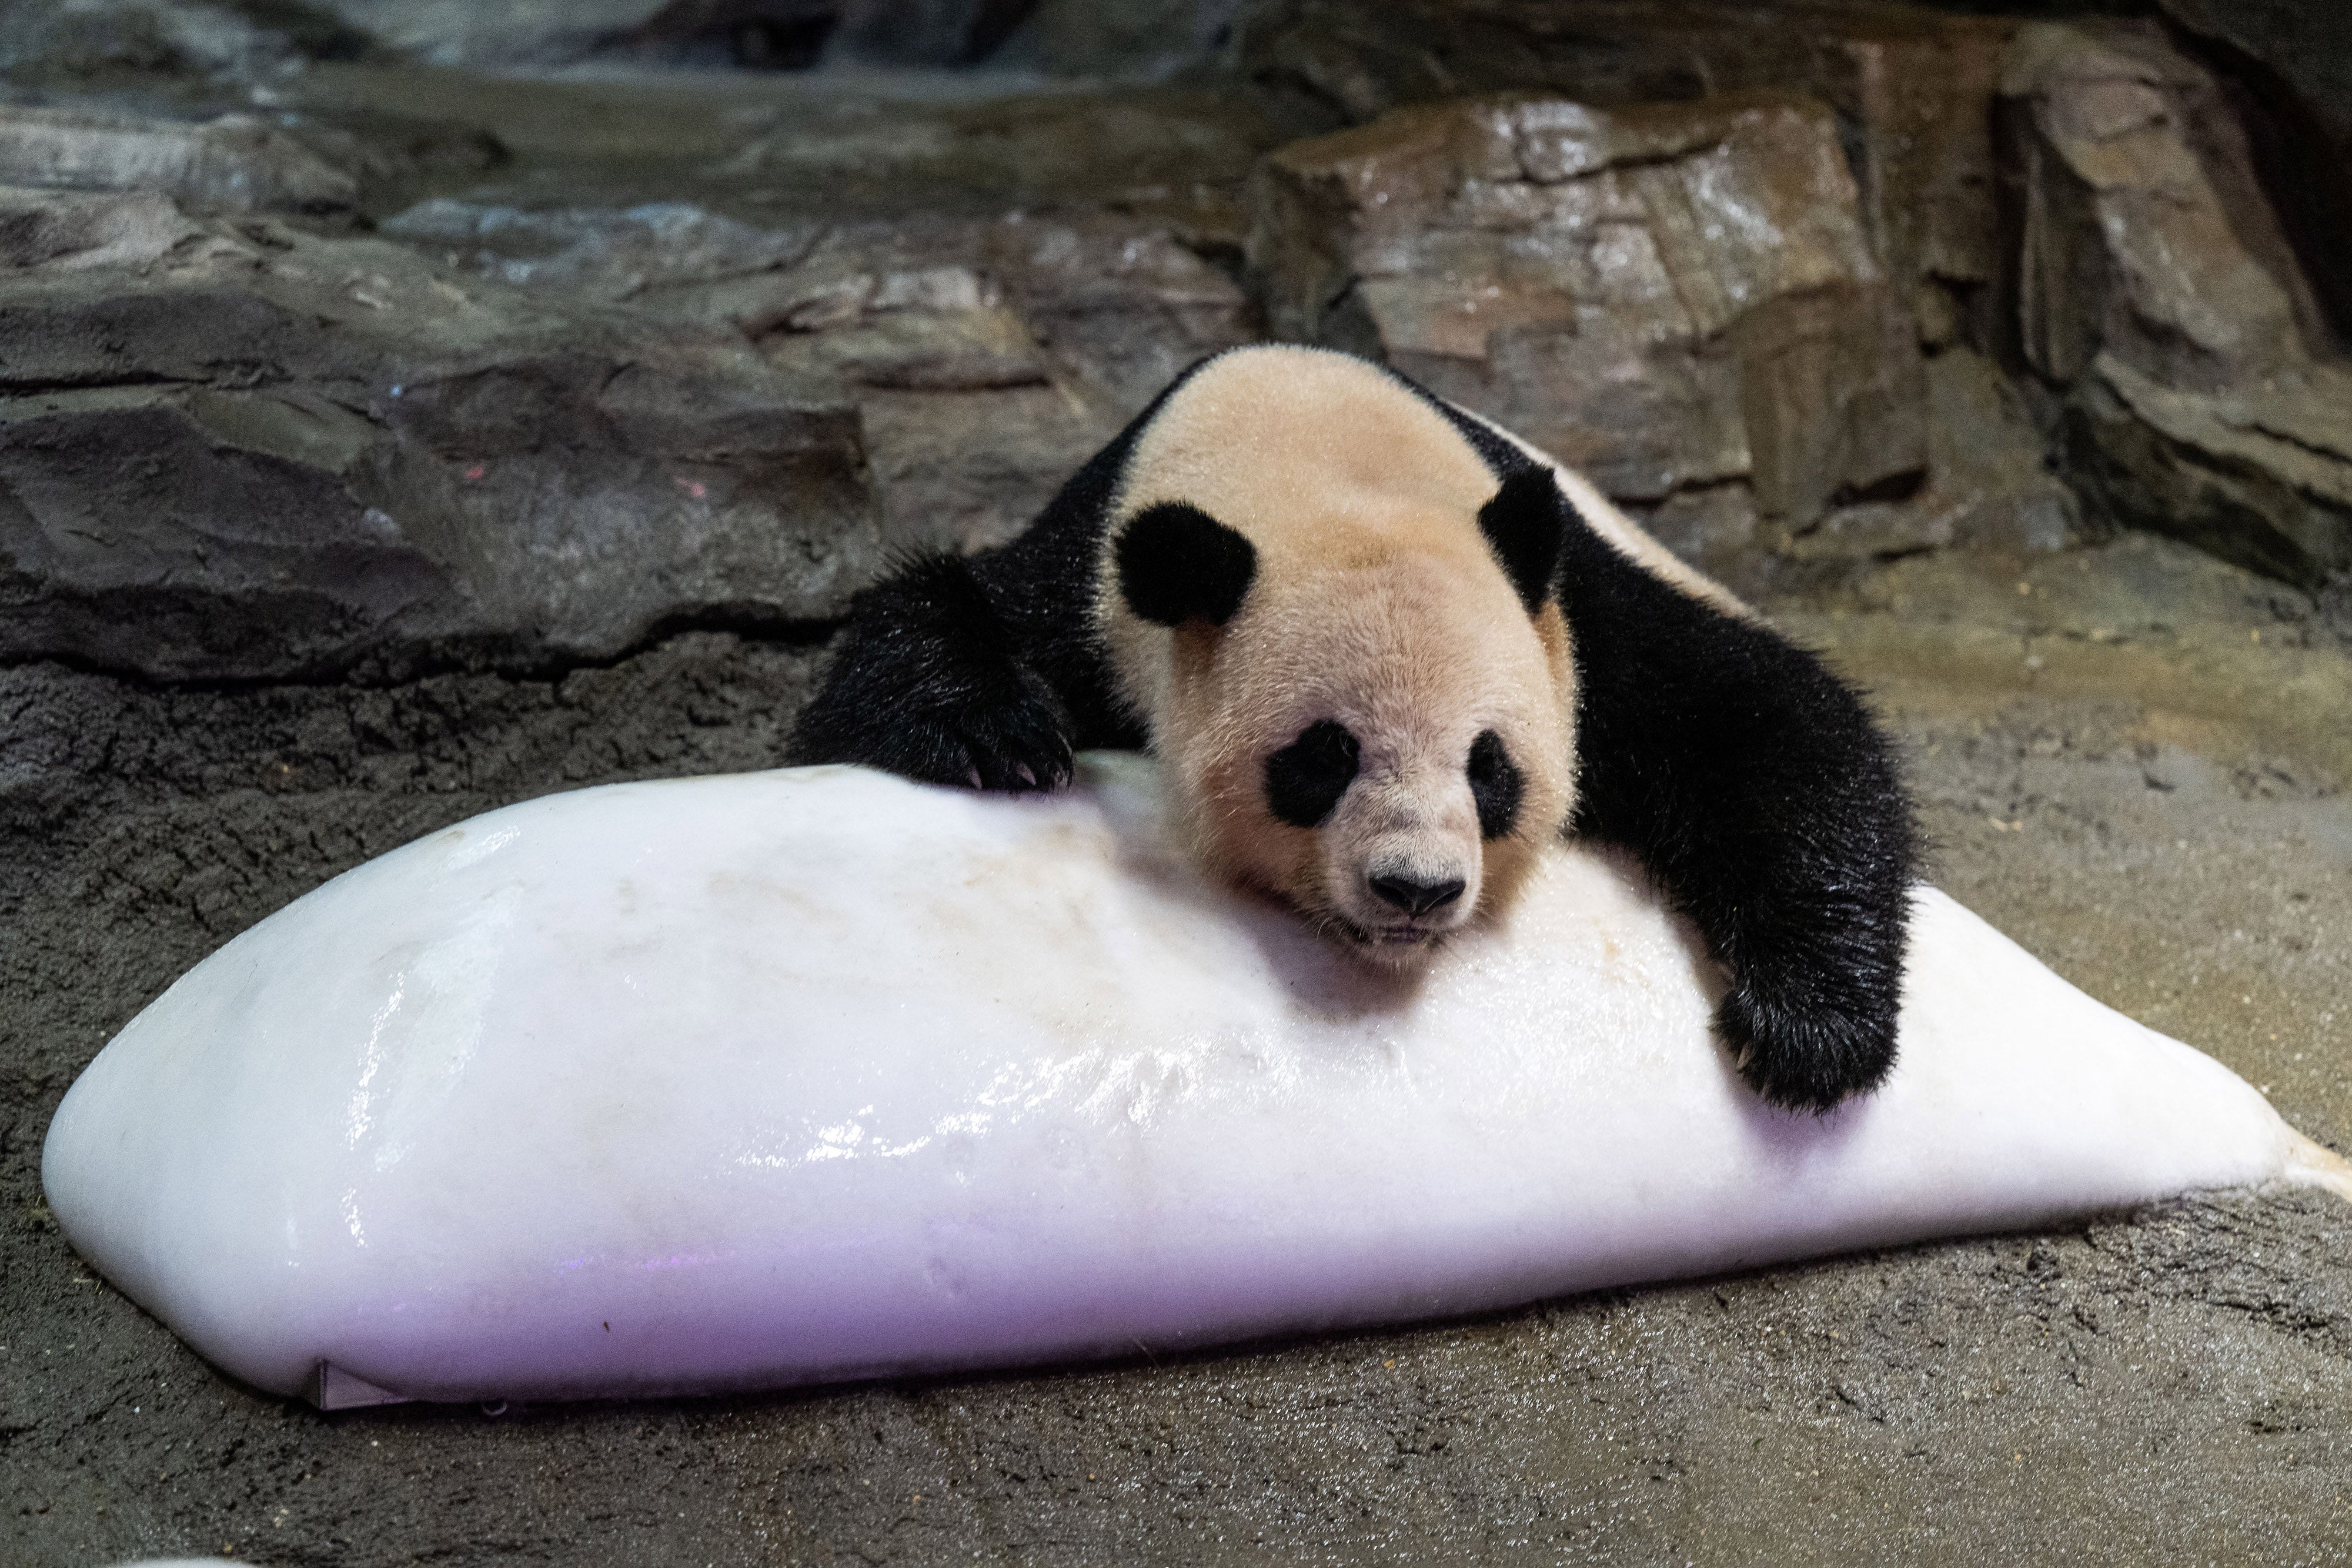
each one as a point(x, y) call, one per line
point(1747, 778)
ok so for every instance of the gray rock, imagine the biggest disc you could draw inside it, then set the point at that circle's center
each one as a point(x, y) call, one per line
point(2260, 475)
point(61, 40)
point(760, 33)
point(1169, 148)
point(604, 253)
point(1146, 40)
point(1990, 478)
point(60, 235)
point(1670, 297)
point(926, 32)
point(513, 32)
point(987, 358)
point(993, 359)
point(258, 452)
point(234, 163)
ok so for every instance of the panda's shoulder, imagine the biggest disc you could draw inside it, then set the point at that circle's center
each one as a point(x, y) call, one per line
point(1600, 517)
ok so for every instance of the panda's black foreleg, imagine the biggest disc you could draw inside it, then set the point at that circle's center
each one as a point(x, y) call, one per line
point(1769, 807)
point(932, 682)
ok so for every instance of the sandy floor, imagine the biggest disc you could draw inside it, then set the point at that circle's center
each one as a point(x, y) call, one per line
point(2133, 761)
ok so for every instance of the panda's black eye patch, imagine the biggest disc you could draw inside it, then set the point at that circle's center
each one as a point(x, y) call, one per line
point(1305, 780)
point(1495, 785)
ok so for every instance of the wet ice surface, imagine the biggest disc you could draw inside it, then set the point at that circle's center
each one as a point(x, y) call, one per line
point(696, 1085)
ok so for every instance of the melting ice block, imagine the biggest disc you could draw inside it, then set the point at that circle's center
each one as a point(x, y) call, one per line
point(732, 1082)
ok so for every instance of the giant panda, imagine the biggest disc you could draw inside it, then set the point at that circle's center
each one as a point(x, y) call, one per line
point(1384, 651)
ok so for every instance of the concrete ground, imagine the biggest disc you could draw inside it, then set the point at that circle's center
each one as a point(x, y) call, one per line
point(2132, 758)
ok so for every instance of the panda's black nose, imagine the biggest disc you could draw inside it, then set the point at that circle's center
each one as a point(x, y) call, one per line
point(1417, 897)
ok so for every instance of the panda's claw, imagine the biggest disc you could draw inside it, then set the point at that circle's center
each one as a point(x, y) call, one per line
point(1812, 1056)
point(1018, 747)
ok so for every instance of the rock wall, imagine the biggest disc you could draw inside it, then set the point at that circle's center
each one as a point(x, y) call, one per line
point(238, 451)
point(1675, 297)
point(987, 358)
point(1909, 89)
point(2082, 205)
point(2157, 293)
point(311, 359)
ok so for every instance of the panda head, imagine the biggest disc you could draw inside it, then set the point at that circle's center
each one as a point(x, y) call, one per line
point(1368, 715)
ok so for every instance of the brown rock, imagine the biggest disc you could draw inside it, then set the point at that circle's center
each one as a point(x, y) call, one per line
point(1667, 296)
point(1990, 482)
point(2157, 290)
point(258, 452)
point(1831, 394)
point(2287, 67)
point(2144, 233)
point(1912, 87)
point(1990, 479)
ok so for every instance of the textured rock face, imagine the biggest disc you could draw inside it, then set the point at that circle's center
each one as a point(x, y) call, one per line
point(2138, 240)
point(1910, 88)
point(2260, 474)
point(992, 360)
point(1135, 38)
point(1672, 297)
point(2155, 287)
point(64, 39)
point(1171, 149)
point(1988, 485)
point(1751, 267)
point(988, 360)
point(234, 163)
point(253, 452)
point(758, 33)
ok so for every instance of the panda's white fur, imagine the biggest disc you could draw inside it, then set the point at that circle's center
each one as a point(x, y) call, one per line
point(1378, 603)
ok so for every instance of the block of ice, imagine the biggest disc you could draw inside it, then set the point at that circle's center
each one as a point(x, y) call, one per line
point(732, 1082)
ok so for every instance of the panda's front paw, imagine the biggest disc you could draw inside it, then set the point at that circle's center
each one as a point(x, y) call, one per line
point(1809, 1052)
point(929, 683)
point(1001, 728)
point(1016, 745)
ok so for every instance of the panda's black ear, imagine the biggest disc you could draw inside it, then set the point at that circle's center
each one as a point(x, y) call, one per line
point(1526, 523)
point(1176, 563)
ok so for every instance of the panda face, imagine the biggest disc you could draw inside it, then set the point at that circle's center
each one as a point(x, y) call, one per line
point(1383, 743)
point(1340, 627)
